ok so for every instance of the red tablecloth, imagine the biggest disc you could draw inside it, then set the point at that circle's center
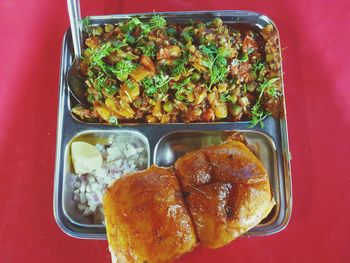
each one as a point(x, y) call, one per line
point(316, 38)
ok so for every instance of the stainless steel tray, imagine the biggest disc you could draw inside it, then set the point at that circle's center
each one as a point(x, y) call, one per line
point(166, 142)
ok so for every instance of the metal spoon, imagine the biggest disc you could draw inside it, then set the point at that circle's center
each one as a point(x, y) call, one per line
point(74, 79)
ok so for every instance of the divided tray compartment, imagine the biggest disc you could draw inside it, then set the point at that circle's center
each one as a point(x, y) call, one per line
point(164, 143)
point(69, 206)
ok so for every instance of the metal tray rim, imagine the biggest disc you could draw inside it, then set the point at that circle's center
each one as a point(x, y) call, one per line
point(286, 176)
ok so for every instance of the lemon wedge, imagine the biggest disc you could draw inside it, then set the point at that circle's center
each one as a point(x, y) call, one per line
point(86, 158)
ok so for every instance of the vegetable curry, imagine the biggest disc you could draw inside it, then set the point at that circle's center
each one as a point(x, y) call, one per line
point(157, 72)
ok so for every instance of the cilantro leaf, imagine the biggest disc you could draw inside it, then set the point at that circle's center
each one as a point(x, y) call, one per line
point(244, 57)
point(149, 50)
point(272, 91)
point(157, 84)
point(130, 25)
point(257, 67)
point(123, 68)
point(182, 89)
point(149, 86)
point(265, 85)
point(218, 70)
point(179, 86)
point(113, 120)
point(86, 24)
point(228, 97)
point(118, 44)
point(111, 90)
point(101, 82)
point(91, 98)
point(171, 31)
point(178, 67)
point(209, 50)
point(157, 22)
point(129, 39)
point(97, 56)
point(258, 115)
point(187, 36)
point(217, 63)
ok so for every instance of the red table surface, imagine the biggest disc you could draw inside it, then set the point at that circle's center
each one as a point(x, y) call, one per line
point(316, 61)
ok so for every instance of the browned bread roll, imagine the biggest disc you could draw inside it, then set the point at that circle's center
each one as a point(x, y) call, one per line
point(146, 218)
point(227, 191)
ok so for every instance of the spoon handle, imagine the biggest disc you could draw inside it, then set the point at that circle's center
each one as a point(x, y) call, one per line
point(75, 25)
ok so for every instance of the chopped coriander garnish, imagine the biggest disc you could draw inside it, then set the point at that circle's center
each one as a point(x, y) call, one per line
point(123, 68)
point(272, 91)
point(250, 50)
point(101, 82)
point(257, 67)
point(223, 52)
point(130, 25)
point(111, 90)
point(187, 36)
point(180, 85)
point(182, 89)
point(149, 50)
point(218, 70)
point(130, 84)
point(149, 86)
point(129, 39)
point(171, 31)
point(263, 86)
point(90, 98)
point(209, 50)
point(217, 63)
point(157, 22)
point(102, 51)
point(113, 120)
point(245, 88)
point(97, 56)
point(179, 67)
point(161, 81)
point(118, 44)
point(258, 113)
point(158, 83)
point(228, 98)
point(86, 23)
point(244, 58)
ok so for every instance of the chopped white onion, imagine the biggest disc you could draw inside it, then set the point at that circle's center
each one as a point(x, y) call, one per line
point(124, 154)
